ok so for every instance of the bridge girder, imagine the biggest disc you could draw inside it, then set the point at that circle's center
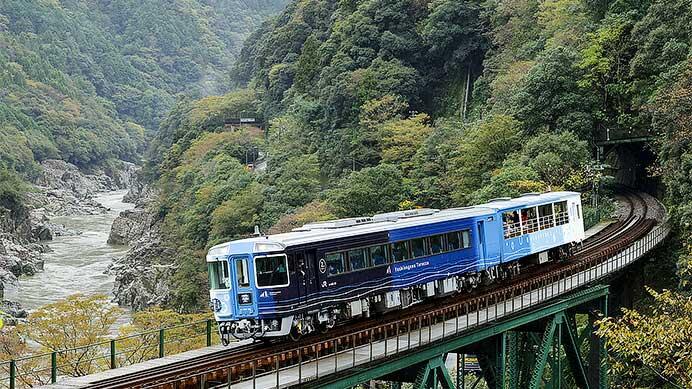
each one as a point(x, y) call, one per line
point(513, 353)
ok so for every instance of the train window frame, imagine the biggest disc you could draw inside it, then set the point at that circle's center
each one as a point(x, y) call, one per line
point(387, 257)
point(225, 266)
point(458, 239)
point(243, 269)
point(443, 244)
point(366, 258)
point(513, 229)
point(547, 220)
point(529, 224)
point(561, 216)
point(426, 252)
point(343, 263)
point(288, 277)
point(408, 251)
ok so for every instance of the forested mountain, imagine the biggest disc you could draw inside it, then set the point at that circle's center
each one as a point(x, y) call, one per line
point(85, 80)
point(369, 110)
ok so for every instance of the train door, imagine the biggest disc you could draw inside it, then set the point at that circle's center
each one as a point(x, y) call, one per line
point(240, 282)
point(311, 261)
point(481, 239)
point(305, 271)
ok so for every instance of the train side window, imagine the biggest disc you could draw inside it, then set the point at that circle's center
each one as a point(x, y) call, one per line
point(335, 263)
point(418, 248)
point(561, 215)
point(529, 220)
point(400, 251)
point(219, 277)
point(453, 241)
point(378, 255)
point(271, 271)
point(578, 211)
point(466, 238)
point(437, 244)
point(510, 224)
point(357, 259)
point(545, 216)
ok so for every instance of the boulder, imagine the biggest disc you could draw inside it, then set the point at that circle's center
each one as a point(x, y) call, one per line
point(130, 226)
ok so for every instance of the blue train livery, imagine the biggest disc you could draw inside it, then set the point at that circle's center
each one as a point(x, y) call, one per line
point(322, 273)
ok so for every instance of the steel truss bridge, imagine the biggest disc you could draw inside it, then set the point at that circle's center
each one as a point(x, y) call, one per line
point(534, 332)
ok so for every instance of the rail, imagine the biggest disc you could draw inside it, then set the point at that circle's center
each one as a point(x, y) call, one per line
point(46, 367)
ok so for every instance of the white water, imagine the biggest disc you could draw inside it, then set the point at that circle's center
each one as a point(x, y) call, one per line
point(77, 263)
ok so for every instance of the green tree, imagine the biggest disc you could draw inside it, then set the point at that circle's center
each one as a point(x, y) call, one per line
point(508, 181)
point(315, 211)
point(371, 190)
point(551, 98)
point(68, 324)
point(402, 138)
point(298, 181)
point(482, 148)
point(652, 348)
point(12, 190)
point(672, 117)
point(238, 215)
point(555, 157)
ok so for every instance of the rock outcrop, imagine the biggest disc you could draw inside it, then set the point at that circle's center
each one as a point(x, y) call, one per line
point(20, 247)
point(131, 226)
point(65, 190)
point(142, 276)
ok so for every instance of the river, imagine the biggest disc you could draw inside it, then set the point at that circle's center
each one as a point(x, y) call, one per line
point(77, 263)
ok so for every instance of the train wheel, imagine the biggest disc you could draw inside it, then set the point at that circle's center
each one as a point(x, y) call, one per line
point(323, 328)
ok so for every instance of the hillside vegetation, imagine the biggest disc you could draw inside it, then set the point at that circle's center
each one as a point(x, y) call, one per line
point(370, 110)
point(85, 80)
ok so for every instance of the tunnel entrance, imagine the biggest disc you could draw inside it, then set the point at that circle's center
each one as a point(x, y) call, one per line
point(632, 165)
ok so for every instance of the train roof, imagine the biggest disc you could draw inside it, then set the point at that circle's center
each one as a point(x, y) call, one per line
point(527, 200)
point(342, 228)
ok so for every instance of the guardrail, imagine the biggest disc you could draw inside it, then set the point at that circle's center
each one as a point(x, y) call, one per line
point(45, 368)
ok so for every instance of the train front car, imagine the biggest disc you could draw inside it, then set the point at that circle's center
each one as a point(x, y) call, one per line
point(243, 275)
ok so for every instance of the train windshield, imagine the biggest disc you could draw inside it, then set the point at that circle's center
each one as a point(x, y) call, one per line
point(272, 271)
point(219, 275)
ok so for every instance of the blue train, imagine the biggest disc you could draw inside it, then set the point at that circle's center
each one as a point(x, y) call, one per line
point(310, 279)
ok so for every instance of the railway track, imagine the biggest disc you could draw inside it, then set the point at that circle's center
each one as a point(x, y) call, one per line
point(238, 363)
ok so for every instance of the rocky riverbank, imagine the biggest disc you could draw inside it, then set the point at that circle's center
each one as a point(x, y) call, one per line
point(61, 190)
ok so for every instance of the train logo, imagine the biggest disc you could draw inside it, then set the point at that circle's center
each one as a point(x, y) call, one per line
point(323, 266)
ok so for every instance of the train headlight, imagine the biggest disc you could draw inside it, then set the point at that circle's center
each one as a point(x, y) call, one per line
point(245, 298)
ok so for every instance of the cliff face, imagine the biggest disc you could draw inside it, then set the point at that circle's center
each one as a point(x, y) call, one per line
point(20, 247)
point(142, 276)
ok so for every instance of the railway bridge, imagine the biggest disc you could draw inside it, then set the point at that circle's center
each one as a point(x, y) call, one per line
point(532, 332)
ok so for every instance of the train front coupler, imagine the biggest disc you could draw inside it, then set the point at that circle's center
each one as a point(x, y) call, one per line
point(241, 330)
